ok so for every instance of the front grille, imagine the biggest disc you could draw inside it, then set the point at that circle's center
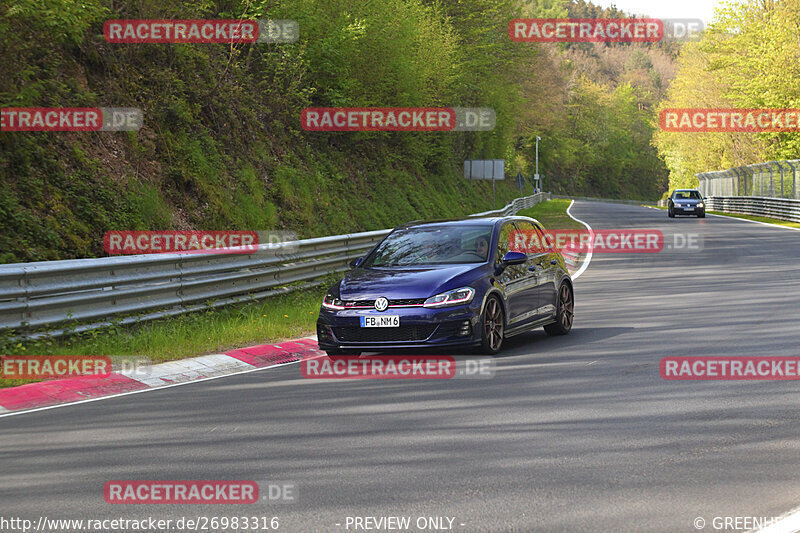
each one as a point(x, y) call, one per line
point(401, 334)
point(392, 303)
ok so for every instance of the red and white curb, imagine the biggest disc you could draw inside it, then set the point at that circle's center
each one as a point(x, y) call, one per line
point(58, 392)
point(571, 257)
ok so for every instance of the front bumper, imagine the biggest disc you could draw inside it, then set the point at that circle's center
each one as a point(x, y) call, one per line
point(420, 327)
point(688, 210)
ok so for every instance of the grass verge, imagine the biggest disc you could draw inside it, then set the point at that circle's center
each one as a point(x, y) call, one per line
point(553, 214)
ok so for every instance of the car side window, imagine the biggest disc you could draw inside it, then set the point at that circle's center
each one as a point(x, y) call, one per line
point(502, 243)
point(546, 240)
point(532, 237)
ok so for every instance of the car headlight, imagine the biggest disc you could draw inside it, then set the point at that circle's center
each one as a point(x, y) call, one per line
point(455, 297)
point(332, 303)
point(701, 204)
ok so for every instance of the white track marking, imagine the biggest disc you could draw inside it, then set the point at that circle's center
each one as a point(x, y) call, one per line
point(188, 369)
point(753, 221)
point(588, 258)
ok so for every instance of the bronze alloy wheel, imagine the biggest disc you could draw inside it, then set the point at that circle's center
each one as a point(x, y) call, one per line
point(565, 312)
point(492, 326)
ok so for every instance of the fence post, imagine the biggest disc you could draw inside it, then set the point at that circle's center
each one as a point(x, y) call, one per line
point(772, 191)
point(730, 179)
point(739, 177)
point(744, 173)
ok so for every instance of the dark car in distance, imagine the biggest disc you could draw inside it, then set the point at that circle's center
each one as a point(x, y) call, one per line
point(454, 283)
point(686, 202)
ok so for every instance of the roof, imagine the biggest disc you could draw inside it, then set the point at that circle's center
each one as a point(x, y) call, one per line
point(473, 221)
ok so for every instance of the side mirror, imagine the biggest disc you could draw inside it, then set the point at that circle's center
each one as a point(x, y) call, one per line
point(355, 262)
point(514, 258)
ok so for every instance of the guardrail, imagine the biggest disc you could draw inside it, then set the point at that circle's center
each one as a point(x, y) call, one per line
point(606, 200)
point(144, 287)
point(780, 208)
point(774, 179)
point(768, 189)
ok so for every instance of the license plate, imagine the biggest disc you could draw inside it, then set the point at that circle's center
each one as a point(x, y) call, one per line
point(688, 208)
point(380, 321)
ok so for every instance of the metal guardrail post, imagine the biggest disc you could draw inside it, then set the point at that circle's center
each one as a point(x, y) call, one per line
point(771, 191)
point(771, 178)
point(738, 181)
point(730, 179)
point(744, 179)
point(794, 179)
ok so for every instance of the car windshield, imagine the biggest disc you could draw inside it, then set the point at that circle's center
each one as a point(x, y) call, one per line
point(686, 195)
point(433, 245)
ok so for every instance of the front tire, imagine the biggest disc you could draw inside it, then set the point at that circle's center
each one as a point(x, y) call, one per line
point(565, 312)
point(493, 325)
point(702, 215)
point(670, 213)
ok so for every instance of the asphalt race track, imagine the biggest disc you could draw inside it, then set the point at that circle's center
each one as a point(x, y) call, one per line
point(578, 433)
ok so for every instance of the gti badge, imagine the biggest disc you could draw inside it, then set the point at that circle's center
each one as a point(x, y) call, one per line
point(381, 304)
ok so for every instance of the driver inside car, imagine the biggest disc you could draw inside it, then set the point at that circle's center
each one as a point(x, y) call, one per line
point(482, 247)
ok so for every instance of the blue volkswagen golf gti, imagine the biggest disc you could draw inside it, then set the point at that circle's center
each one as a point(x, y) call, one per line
point(457, 283)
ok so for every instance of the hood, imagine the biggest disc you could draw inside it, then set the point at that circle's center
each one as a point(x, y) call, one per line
point(401, 283)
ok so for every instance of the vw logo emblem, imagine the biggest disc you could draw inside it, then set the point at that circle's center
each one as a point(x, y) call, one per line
point(381, 304)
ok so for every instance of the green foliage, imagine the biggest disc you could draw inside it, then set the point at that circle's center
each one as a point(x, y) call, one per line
point(596, 139)
point(747, 59)
point(63, 22)
point(222, 147)
point(544, 9)
point(146, 201)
